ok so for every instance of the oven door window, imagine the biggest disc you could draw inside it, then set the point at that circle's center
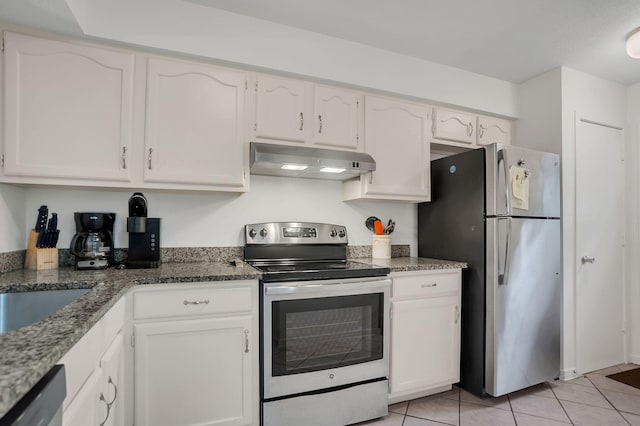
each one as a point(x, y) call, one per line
point(324, 333)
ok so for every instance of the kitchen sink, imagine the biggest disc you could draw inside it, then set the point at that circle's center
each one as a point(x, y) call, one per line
point(25, 308)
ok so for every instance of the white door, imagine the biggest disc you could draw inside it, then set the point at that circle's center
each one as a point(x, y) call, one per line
point(194, 372)
point(68, 110)
point(336, 118)
point(194, 125)
point(599, 246)
point(280, 109)
point(397, 138)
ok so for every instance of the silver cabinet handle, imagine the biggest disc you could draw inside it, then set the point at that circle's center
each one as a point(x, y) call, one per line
point(320, 126)
point(115, 393)
point(457, 314)
point(197, 302)
point(150, 153)
point(469, 129)
point(586, 259)
point(301, 121)
point(481, 131)
point(429, 285)
point(124, 157)
point(102, 398)
point(246, 341)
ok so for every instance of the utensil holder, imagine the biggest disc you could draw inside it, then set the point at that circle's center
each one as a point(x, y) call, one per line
point(381, 247)
point(39, 258)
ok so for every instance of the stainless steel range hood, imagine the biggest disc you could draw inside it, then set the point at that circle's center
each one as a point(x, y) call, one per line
point(304, 162)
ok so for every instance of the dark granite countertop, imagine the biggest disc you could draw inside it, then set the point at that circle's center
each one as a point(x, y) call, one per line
point(28, 353)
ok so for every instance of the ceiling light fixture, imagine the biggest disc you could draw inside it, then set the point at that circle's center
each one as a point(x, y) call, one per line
point(633, 44)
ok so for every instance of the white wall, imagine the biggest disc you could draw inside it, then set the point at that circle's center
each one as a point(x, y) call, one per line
point(194, 29)
point(193, 219)
point(12, 219)
point(604, 102)
point(633, 217)
point(540, 107)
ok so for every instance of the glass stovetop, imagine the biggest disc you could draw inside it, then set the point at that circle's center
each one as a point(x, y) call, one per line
point(318, 270)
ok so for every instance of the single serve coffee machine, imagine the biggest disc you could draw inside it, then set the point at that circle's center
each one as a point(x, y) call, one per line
point(92, 245)
point(144, 235)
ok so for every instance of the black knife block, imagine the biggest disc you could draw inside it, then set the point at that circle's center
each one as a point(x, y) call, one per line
point(144, 247)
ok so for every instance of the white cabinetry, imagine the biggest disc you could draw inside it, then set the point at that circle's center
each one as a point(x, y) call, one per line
point(493, 130)
point(69, 111)
point(196, 354)
point(454, 125)
point(194, 125)
point(292, 111)
point(77, 115)
point(397, 137)
point(425, 333)
point(94, 369)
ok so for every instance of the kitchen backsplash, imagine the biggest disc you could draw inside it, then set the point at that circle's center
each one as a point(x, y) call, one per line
point(11, 261)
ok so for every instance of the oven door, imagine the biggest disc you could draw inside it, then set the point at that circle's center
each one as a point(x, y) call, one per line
point(323, 334)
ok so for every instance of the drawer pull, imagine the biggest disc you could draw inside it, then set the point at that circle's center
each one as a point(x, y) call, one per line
point(103, 399)
point(197, 302)
point(115, 392)
point(246, 341)
point(429, 285)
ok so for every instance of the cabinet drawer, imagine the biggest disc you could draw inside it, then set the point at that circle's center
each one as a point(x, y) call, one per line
point(425, 284)
point(190, 301)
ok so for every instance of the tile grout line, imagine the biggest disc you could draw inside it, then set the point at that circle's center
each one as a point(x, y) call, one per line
point(561, 406)
point(607, 399)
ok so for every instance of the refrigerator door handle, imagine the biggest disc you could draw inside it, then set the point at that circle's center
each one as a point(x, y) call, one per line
point(503, 276)
point(502, 156)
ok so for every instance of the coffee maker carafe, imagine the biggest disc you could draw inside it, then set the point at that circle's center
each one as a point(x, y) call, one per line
point(92, 245)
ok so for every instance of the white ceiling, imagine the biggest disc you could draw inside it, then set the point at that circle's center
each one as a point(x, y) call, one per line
point(511, 40)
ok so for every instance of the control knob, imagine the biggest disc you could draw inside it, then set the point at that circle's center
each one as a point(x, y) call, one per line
point(333, 233)
point(342, 233)
point(263, 232)
point(252, 233)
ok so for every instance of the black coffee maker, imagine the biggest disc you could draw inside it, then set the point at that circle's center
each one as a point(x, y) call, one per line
point(92, 245)
point(144, 235)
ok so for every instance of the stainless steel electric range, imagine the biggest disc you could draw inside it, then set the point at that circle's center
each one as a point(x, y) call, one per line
point(324, 326)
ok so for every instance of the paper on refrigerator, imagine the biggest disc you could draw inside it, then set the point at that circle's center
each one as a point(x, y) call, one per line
point(519, 178)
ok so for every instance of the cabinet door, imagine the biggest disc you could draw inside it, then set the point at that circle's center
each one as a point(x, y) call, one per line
point(336, 118)
point(397, 138)
point(68, 110)
point(454, 125)
point(113, 380)
point(280, 109)
point(87, 409)
point(194, 372)
point(194, 125)
point(493, 130)
point(425, 343)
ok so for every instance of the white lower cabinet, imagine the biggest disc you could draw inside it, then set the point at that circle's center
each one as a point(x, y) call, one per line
point(425, 333)
point(196, 355)
point(94, 370)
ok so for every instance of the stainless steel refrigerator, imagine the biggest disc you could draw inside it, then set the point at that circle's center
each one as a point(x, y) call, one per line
point(498, 209)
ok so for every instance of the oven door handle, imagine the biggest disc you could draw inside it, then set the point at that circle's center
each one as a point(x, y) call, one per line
point(315, 286)
point(292, 289)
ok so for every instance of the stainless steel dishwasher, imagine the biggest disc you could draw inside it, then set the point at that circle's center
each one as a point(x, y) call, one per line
point(42, 405)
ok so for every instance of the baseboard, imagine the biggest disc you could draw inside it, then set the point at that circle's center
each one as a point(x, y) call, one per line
point(634, 359)
point(406, 396)
point(568, 374)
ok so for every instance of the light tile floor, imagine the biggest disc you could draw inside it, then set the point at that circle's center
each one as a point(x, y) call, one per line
point(589, 400)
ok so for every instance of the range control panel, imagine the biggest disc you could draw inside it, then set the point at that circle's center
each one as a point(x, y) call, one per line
point(295, 233)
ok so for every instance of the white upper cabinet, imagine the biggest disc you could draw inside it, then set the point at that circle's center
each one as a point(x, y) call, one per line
point(296, 112)
point(194, 125)
point(68, 111)
point(336, 118)
point(493, 130)
point(397, 137)
point(454, 125)
point(280, 109)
